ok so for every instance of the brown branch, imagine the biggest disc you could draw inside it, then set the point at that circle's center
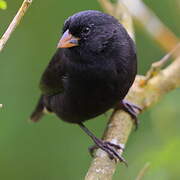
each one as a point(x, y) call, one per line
point(146, 18)
point(16, 20)
point(151, 23)
point(121, 13)
point(156, 66)
point(107, 6)
point(120, 124)
point(24, 7)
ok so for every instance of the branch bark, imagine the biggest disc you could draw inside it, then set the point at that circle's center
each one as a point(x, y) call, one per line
point(16, 20)
point(21, 12)
point(121, 13)
point(144, 16)
point(120, 124)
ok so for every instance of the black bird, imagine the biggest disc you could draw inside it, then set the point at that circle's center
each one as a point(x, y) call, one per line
point(92, 70)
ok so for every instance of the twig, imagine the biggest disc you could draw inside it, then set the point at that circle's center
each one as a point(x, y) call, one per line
point(143, 171)
point(156, 66)
point(122, 14)
point(24, 7)
point(16, 20)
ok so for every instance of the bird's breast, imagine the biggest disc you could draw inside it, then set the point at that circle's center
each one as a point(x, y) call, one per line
point(91, 93)
point(90, 90)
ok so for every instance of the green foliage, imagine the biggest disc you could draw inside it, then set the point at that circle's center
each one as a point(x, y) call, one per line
point(3, 4)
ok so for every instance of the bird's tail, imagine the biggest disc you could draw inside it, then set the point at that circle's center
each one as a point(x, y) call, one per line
point(39, 111)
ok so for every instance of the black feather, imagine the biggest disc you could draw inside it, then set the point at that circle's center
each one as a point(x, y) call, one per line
point(85, 81)
point(38, 112)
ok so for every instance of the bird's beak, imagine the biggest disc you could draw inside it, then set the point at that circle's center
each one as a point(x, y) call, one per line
point(68, 40)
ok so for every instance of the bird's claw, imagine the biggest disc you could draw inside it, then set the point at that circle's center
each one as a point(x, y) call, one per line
point(109, 148)
point(132, 110)
point(94, 147)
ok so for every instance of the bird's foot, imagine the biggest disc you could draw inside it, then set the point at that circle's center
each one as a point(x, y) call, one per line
point(110, 148)
point(131, 109)
point(94, 147)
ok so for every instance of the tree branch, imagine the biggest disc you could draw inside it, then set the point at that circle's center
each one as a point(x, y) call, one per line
point(121, 13)
point(120, 124)
point(146, 18)
point(16, 20)
point(151, 23)
point(158, 65)
point(24, 7)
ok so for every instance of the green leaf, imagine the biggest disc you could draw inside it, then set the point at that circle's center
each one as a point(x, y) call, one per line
point(3, 4)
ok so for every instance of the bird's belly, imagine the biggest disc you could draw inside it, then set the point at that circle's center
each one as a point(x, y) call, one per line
point(87, 101)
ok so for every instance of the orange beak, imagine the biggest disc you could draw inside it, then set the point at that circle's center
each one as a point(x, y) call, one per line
point(68, 40)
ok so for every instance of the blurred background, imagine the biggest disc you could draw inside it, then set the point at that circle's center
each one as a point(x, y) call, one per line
point(53, 149)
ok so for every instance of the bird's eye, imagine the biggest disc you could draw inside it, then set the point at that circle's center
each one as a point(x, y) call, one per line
point(85, 31)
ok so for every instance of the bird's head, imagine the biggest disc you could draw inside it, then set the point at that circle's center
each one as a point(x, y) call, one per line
point(89, 32)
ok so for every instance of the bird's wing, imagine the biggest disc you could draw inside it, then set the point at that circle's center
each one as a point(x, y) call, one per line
point(52, 79)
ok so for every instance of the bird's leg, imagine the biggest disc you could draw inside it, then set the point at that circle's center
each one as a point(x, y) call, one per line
point(108, 147)
point(131, 109)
